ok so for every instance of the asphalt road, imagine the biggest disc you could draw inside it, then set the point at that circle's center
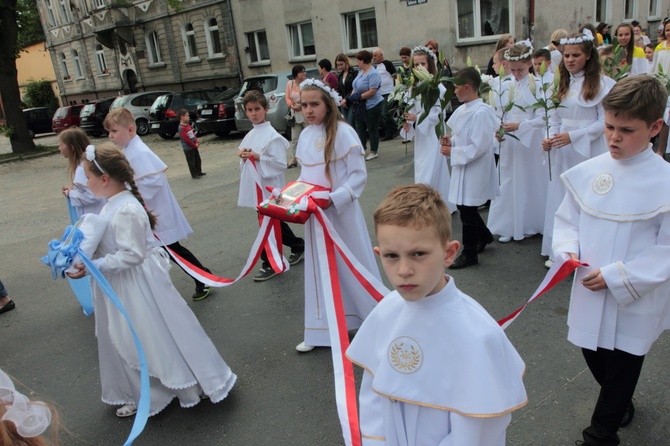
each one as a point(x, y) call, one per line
point(281, 397)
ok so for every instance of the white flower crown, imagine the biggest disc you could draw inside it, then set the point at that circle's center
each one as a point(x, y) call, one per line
point(90, 155)
point(525, 55)
point(317, 83)
point(587, 37)
point(423, 49)
point(31, 418)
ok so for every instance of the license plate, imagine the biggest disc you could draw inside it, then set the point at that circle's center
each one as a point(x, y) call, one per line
point(206, 112)
point(155, 126)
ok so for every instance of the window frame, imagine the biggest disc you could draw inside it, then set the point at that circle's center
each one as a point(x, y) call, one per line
point(359, 35)
point(63, 66)
point(302, 56)
point(259, 56)
point(101, 60)
point(99, 4)
point(212, 39)
point(51, 13)
point(79, 73)
point(478, 38)
point(188, 37)
point(153, 48)
point(633, 10)
point(63, 11)
point(606, 5)
point(655, 15)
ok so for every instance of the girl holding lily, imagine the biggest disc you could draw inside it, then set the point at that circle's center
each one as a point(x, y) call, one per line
point(518, 211)
point(430, 166)
point(578, 125)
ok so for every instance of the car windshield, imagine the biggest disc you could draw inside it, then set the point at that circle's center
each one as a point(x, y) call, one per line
point(119, 102)
point(61, 112)
point(88, 109)
point(227, 95)
point(264, 84)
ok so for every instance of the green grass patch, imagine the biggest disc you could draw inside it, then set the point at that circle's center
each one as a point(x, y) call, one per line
point(41, 151)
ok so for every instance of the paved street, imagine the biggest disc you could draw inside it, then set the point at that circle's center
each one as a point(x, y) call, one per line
point(281, 397)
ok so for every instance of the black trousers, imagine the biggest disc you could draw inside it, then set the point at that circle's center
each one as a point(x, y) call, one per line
point(288, 238)
point(194, 162)
point(474, 230)
point(617, 373)
point(188, 255)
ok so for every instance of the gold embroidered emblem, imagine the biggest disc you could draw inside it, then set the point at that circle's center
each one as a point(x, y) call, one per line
point(320, 143)
point(405, 355)
point(603, 183)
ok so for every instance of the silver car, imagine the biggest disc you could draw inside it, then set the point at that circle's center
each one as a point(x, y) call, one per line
point(273, 86)
point(139, 105)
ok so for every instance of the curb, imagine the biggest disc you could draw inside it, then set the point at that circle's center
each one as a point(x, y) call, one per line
point(28, 157)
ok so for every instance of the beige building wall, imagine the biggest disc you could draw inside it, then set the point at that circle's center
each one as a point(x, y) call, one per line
point(34, 64)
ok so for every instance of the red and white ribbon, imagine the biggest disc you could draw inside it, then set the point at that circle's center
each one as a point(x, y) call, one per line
point(563, 266)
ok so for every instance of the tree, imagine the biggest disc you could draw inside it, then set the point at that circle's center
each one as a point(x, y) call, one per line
point(40, 94)
point(13, 18)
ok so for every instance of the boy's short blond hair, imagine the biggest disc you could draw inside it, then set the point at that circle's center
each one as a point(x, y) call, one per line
point(637, 97)
point(418, 206)
point(119, 116)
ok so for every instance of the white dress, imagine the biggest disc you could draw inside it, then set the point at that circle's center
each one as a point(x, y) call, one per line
point(518, 211)
point(438, 371)
point(430, 166)
point(348, 177)
point(616, 217)
point(156, 193)
point(265, 140)
point(181, 358)
point(661, 59)
point(585, 122)
point(81, 197)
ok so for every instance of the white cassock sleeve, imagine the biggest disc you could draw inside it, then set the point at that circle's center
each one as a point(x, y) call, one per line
point(150, 185)
point(480, 138)
point(356, 177)
point(582, 138)
point(472, 431)
point(566, 227)
point(128, 229)
point(273, 160)
point(82, 196)
point(371, 413)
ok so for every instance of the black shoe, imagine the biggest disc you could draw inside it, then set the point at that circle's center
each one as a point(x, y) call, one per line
point(406, 141)
point(264, 274)
point(196, 178)
point(482, 245)
point(627, 416)
point(201, 293)
point(202, 174)
point(295, 258)
point(9, 306)
point(463, 262)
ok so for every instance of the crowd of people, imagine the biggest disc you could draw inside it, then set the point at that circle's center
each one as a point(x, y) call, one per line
point(559, 149)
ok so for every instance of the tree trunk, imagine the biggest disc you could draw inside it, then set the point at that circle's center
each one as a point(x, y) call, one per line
point(9, 84)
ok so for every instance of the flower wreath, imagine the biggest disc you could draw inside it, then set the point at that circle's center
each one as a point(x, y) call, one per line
point(525, 55)
point(423, 49)
point(317, 83)
point(587, 37)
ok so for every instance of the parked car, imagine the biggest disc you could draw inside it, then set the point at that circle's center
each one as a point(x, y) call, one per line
point(139, 105)
point(66, 117)
point(92, 116)
point(163, 113)
point(273, 85)
point(38, 120)
point(218, 117)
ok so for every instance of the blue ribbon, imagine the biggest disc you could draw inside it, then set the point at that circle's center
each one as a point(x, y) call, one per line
point(82, 287)
point(60, 257)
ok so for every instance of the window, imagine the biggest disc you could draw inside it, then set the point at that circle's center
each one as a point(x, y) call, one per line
point(77, 64)
point(188, 34)
point(153, 48)
point(99, 3)
point(51, 17)
point(100, 58)
point(480, 18)
point(602, 10)
point(63, 11)
point(63, 66)
point(301, 40)
point(629, 8)
point(654, 8)
point(213, 38)
point(360, 30)
point(258, 47)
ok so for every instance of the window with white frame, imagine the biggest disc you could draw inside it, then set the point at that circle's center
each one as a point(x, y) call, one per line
point(99, 3)
point(63, 66)
point(100, 59)
point(77, 64)
point(360, 30)
point(153, 48)
point(301, 40)
point(213, 38)
point(654, 8)
point(188, 34)
point(257, 43)
point(602, 10)
point(629, 9)
point(481, 18)
point(51, 16)
point(64, 11)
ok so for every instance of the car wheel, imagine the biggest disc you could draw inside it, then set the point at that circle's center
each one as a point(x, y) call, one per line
point(142, 127)
point(167, 135)
point(222, 133)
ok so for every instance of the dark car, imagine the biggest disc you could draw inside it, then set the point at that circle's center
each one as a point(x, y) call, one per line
point(93, 116)
point(38, 120)
point(218, 117)
point(66, 117)
point(163, 113)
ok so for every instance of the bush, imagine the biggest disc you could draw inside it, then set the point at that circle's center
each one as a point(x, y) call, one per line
point(40, 94)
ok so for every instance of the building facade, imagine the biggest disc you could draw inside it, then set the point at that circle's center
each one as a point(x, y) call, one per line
point(34, 64)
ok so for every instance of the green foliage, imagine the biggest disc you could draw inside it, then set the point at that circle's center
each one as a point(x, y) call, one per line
point(8, 131)
point(614, 67)
point(40, 94)
point(663, 77)
point(30, 28)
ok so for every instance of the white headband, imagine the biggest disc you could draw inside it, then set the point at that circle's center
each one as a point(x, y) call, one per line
point(587, 37)
point(317, 83)
point(525, 55)
point(423, 49)
point(31, 418)
point(90, 155)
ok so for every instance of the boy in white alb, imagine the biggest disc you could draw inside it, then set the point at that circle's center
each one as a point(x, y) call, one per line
point(268, 149)
point(473, 171)
point(616, 217)
point(437, 368)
